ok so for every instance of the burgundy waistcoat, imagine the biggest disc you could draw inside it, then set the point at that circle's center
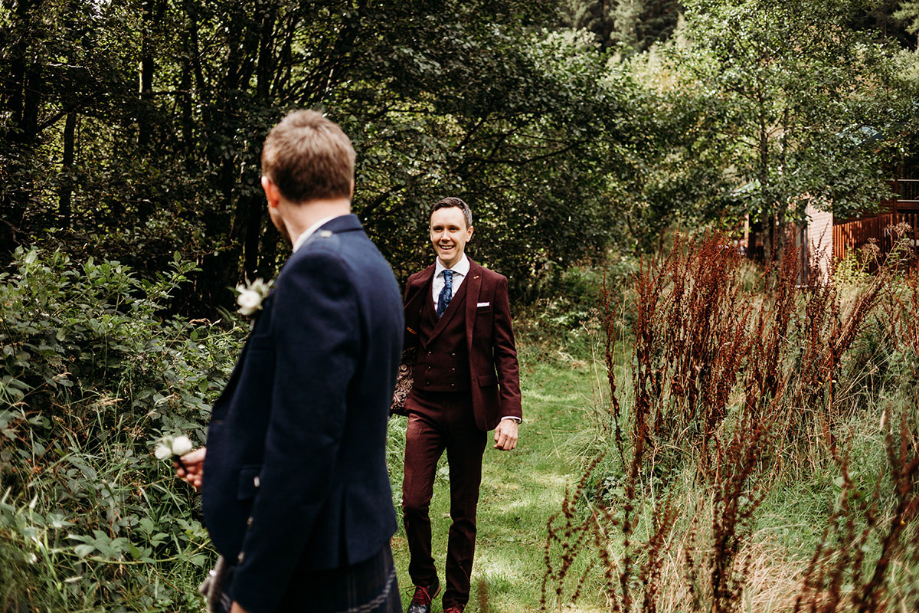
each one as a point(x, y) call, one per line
point(443, 357)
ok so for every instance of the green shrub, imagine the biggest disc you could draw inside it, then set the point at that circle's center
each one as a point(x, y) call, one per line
point(560, 325)
point(93, 370)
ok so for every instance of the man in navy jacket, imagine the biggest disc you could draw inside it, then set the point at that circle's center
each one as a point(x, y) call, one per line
point(294, 483)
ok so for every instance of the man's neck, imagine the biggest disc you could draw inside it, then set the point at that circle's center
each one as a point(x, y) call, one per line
point(452, 265)
point(298, 218)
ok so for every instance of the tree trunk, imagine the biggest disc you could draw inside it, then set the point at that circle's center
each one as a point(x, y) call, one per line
point(221, 269)
point(768, 221)
point(153, 11)
point(253, 230)
point(781, 219)
point(254, 261)
point(766, 200)
point(269, 252)
point(65, 190)
point(23, 102)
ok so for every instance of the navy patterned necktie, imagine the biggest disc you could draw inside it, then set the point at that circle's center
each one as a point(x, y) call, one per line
point(446, 294)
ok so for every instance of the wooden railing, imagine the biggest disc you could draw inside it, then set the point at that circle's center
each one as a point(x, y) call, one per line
point(880, 230)
point(907, 193)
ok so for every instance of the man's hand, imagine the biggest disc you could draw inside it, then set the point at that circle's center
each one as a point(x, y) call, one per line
point(236, 608)
point(506, 435)
point(193, 471)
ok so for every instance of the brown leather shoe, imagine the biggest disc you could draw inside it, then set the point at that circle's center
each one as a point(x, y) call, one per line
point(424, 595)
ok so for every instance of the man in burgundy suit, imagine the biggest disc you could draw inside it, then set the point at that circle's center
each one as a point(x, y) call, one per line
point(466, 382)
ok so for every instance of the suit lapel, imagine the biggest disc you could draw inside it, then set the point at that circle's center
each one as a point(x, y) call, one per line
point(263, 319)
point(420, 287)
point(473, 285)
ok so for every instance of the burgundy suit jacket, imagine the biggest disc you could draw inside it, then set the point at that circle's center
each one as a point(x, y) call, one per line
point(495, 375)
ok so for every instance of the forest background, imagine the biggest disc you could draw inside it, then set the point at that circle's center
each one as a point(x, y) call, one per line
point(583, 133)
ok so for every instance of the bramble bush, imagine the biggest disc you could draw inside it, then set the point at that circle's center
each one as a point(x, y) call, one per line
point(93, 370)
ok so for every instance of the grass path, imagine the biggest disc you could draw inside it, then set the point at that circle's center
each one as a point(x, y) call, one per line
point(520, 491)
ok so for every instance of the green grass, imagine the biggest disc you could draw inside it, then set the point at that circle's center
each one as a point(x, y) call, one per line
point(520, 490)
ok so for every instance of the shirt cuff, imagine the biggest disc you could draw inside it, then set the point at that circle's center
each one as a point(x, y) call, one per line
point(517, 419)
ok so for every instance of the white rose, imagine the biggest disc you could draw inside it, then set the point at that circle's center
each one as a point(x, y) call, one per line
point(162, 452)
point(260, 286)
point(181, 445)
point(249, 301)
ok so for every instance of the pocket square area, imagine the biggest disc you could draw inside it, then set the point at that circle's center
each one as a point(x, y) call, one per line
point(483, 304)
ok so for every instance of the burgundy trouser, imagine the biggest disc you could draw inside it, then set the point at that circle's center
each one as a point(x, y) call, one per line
point(439, 421)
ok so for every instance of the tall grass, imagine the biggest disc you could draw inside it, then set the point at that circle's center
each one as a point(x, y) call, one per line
point(735, 390)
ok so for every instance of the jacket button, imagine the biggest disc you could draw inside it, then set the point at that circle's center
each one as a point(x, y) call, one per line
point(240, 557)
point(427, 383)
point(452, 370)
point(453, 385)
point(453, 355)
point(249, 522)
point(429, 353)
point(257, 481)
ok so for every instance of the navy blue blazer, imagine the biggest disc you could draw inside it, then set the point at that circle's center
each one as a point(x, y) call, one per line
point(295, 472)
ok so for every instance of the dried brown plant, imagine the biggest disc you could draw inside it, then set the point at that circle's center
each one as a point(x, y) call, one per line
point(727, 384)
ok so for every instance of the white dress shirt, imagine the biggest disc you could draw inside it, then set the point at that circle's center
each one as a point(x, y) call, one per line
point(312, 230)
point(460, 270)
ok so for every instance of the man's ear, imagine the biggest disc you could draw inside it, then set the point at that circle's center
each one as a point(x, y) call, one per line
point(352, 189)
point(469, 236)
point(272, 193)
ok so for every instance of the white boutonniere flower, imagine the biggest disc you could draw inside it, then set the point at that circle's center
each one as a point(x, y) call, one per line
point(251, 296)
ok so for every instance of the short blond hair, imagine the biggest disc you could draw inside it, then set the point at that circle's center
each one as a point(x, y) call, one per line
point(309, 158)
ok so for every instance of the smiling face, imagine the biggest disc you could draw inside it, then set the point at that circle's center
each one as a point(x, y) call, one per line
point(449, 234)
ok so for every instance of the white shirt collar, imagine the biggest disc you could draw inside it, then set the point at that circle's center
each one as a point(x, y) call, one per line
point(311, 230)
point(461, 267)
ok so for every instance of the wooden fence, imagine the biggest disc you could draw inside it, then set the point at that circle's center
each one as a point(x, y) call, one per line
point(880, 230)
point(884, 229)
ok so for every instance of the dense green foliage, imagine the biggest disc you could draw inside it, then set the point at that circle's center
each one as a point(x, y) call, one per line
point(90, 377)
point(804, 101)
point(132, 129)
point(629, 26)
point(909, 12)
